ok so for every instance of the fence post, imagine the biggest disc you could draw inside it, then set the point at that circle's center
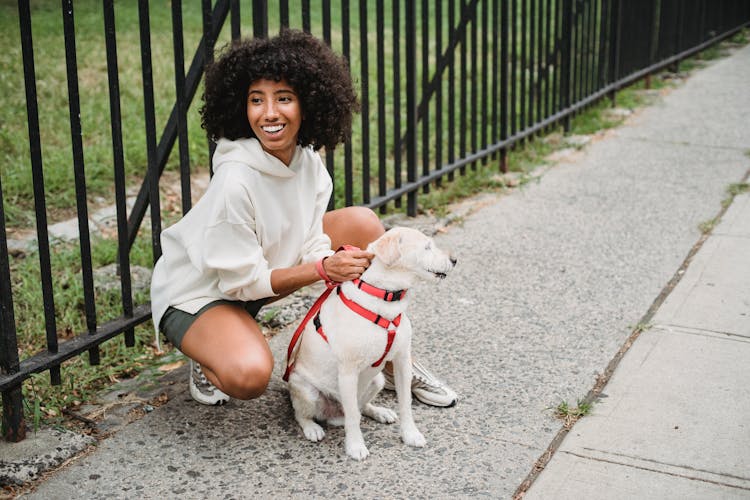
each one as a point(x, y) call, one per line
point(260, 18)
point(364, 111)
point(565, 70)
point(614, 53)
point(411, 104)
point(13, 427)
point(208, 57)
point(504, 33)
point(675, 67)
point(152, 172)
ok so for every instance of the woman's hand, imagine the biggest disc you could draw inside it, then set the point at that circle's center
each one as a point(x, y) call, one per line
point(347, 265)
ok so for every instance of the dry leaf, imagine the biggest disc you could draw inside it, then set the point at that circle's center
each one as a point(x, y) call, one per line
point(171, 366)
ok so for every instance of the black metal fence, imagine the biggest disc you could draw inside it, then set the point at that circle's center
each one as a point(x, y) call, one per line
point(445, 86)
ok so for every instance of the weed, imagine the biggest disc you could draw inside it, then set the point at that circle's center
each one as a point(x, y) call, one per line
point(706, 227)
point(270, 314)
point(640, 327)
point(571, 414)
point(732, 191)
point(741, 37)
point(711, 53)
point(737, 189)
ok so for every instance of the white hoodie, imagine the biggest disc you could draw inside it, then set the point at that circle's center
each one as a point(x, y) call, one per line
point(257, 215)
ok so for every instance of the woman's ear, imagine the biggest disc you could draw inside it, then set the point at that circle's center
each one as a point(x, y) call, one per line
point(386, 248)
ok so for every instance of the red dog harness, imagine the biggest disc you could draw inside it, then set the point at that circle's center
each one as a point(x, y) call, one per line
point(314, 312)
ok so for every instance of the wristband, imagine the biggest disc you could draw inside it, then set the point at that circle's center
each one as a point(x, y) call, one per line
point(322, 273)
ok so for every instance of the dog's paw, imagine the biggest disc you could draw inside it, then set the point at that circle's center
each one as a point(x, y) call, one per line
point(413, 438)
point(381, 414)
point(357, 450)
point(313, 432)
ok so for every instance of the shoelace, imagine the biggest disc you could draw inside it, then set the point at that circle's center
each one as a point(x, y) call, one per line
point(428, 383)
point(202, 380)
point(424, 377)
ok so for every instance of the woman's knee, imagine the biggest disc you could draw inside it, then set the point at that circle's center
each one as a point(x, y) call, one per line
point(247, 378)
point(358, 226)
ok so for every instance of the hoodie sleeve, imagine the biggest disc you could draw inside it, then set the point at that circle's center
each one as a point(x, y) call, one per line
point(317, 244)
point(232, 249)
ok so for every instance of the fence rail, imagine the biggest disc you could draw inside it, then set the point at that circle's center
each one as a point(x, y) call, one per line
point(445, 86)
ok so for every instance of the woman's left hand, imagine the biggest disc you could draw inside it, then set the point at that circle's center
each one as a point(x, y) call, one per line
point(347, 265)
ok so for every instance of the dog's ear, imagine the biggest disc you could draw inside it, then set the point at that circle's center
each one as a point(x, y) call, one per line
point(387, 248)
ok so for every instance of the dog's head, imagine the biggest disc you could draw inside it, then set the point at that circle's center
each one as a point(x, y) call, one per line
point(411, 251)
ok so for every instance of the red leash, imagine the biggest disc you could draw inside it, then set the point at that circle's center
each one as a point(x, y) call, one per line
point(298, 332)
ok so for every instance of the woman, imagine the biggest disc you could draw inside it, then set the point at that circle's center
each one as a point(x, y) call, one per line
point(261, 230)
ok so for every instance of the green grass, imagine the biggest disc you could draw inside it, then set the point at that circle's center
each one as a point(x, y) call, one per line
point(52, 96)
point(80, 380)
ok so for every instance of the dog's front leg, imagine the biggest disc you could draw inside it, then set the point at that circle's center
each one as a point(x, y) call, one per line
point(402, 380)
point(355, 443)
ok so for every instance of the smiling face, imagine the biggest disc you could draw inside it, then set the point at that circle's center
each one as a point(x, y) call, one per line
point(275, 116)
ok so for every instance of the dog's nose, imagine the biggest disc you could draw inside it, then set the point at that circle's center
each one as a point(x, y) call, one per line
point(453, 260)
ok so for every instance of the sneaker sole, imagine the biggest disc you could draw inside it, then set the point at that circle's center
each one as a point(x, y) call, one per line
point(218, 402)
point(435, 404)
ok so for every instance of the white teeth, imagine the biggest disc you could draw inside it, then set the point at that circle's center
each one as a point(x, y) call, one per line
point(273, 128)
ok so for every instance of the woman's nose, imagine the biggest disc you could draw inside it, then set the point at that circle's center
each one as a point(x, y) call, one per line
point(271, 112)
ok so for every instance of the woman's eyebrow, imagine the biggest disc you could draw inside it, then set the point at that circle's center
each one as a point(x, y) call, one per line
point(280, 91)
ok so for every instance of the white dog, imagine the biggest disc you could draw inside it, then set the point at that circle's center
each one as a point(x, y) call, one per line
point(359, 327)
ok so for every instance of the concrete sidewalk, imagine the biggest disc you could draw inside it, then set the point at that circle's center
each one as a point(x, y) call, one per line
point(552, 280)
point(674, 421)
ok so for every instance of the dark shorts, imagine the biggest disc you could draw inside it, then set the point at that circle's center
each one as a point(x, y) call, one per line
point(175, 323)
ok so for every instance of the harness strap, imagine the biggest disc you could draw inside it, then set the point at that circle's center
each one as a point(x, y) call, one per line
point(319, 326)
point(375, 318)
point(387, 295)
point(389, 343)
point(366, 313)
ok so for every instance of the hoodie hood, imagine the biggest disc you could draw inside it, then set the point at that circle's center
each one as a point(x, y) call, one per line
point(249, 152)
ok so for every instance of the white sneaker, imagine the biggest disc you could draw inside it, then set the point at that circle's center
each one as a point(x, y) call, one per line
point(202, 390)
point(425, 387)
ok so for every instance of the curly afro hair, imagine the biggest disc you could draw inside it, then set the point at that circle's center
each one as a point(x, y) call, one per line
point(320, 78)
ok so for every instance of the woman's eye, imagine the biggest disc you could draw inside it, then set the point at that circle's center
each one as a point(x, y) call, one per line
point(255, 100)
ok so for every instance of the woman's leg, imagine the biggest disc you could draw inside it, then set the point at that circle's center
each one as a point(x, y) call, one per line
point(232, 351)
point(358, 226)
